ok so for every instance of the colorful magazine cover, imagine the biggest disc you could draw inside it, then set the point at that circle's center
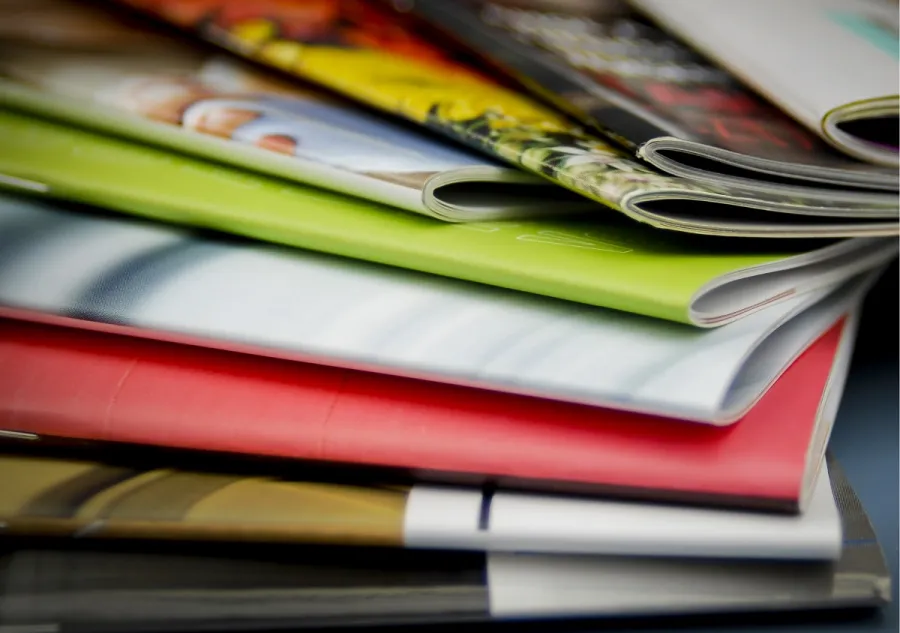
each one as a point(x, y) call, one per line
point(98, 497)
point(359, 49)
point(666, 103)
point(76, 59)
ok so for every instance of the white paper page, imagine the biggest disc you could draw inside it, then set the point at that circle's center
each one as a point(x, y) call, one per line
point(808, 56)
point(449, 518)
point(298, 304)
point(545, 585)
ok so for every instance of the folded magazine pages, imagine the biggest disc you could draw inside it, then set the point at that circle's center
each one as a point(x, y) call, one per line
point(672, 108)
point(163, 282)
point(351, 42)
point(615, 263)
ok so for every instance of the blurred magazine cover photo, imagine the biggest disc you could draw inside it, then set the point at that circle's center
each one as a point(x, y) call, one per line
point(67, 50)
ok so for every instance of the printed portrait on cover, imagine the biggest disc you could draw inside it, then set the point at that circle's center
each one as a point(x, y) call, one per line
point(89, 54)
point(224, 99)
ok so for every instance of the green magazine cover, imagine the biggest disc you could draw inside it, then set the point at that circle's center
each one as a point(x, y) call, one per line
point(616, 264)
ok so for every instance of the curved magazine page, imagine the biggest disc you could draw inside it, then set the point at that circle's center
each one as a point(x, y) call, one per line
point(106, 499)
point(754, 372)
point(256, 587)
point(865, 129)
point(842, 80)
point(406, 179)
point(352, 41)
point(732, 393)
point(828, 408)
point(614, 263)
point(163, 283)
point(487, 192)
point(731, 295)
point(703, 215)
point(81, 65)
point(642, 87)
point(79, 384)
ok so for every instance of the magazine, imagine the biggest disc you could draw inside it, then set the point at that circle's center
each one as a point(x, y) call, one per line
point(619, 74)
point(122, 586)
point(90, 68)
point(842, 81)
point(118, 496)
point(156, 394)
point(360, 49)
point(164, 282)
point(616, 263)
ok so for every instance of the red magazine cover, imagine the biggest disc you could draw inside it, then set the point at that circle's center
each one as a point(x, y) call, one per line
point(72, 383)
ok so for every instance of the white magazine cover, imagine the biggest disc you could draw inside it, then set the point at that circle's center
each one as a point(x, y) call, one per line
point(163, 282)
point(834, 65)
point(502, 521)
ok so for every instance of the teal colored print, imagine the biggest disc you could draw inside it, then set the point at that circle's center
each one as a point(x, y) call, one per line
point(880, 35)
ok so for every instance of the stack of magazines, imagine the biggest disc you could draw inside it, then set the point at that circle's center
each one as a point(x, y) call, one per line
point(355, 312)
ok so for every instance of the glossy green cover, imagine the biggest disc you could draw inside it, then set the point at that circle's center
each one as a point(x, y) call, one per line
point(605, 261)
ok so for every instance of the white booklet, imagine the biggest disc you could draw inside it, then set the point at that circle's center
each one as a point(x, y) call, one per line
point(463, 518)
point(164, 282)
point(831, 64)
